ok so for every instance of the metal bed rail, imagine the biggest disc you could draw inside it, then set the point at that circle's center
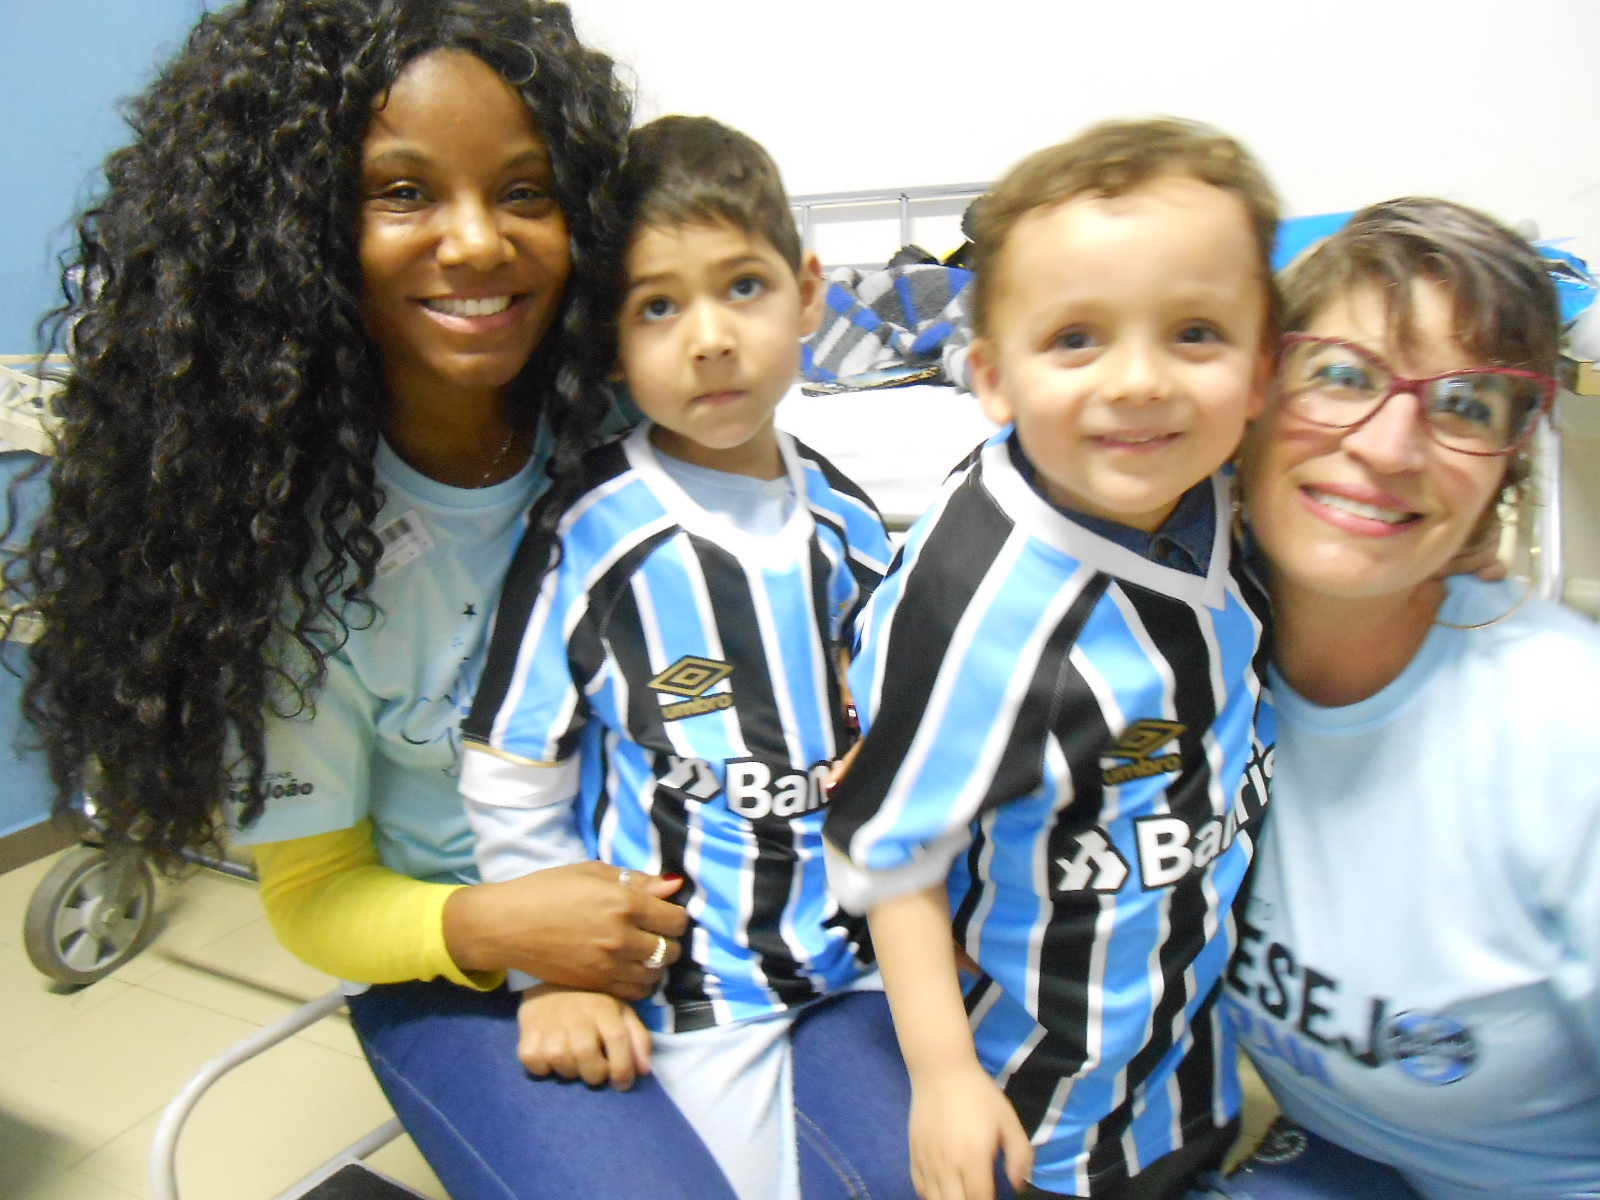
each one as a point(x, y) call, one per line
point(804, 206)
point(164, 1146)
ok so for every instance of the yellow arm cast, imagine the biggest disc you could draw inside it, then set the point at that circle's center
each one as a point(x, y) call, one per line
point(339, 909)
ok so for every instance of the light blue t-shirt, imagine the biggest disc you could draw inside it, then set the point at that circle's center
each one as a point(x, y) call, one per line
point(1418, 972)
point(759, 507)
point(384, 739)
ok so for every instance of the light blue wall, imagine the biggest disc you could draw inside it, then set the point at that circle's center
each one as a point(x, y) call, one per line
point(68, 65)
point(24, 786)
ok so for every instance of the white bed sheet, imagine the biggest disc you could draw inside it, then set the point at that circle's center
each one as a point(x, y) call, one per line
point(898, 444)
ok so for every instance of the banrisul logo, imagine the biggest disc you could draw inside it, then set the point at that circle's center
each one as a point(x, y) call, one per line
point(692, 678)
point(1135, 755)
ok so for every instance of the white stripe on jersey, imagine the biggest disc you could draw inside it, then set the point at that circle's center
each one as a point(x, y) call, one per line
point(1020, 1055)
point(1059, 1098)
point(980, 915)
point(1056, 768)
point(1219, 698)
point(787, 929)
point(751, 852)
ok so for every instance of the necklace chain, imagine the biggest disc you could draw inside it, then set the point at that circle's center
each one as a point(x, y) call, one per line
point(500, 457)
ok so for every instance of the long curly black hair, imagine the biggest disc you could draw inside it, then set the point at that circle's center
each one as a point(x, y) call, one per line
point(209, 540)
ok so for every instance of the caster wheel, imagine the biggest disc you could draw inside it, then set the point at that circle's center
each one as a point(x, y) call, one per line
point(89, 914)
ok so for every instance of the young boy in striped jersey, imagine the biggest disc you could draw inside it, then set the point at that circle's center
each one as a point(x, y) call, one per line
point(1063, 686)
point(672, 686)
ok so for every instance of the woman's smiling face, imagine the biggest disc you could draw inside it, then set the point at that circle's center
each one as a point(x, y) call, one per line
point(464, 253)
point(1379, 509)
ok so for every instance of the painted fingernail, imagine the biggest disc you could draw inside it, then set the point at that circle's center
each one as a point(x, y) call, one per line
point(674, 878)
point(851, 719)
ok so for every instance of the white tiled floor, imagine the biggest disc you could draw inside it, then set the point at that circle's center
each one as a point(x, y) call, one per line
point(84, 1075)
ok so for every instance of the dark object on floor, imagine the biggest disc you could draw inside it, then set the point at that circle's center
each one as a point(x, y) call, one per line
point(355, 1182)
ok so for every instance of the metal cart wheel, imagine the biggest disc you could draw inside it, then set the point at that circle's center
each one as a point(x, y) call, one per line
point(90, 913)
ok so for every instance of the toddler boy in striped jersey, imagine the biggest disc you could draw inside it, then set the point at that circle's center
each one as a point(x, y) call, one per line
point(667, 694)
point(1063, 686)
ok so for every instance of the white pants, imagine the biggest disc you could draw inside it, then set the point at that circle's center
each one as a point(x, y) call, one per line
point(735, 1085)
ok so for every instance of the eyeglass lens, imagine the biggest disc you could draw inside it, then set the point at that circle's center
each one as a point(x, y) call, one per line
point(1479, 411)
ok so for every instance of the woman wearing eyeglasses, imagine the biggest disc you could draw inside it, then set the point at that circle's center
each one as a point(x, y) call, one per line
point(1418, 973)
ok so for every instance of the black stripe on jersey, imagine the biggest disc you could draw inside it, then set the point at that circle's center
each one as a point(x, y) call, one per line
point(1067, 947)
point(684, 987)
point(960, 550)
point(831, 530)
point(838, 482)
point(857, 935)
point(1051, 697)
point(610, 605)
point(772, 876)
point(821, 621)
point(621, 631)
point(520, 593)
point(740, 630)
point(1058, 704)
point(1175, 629)
point(510, 621)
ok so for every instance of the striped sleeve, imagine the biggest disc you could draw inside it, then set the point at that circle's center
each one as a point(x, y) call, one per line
point(956, 683)
point(547, 642)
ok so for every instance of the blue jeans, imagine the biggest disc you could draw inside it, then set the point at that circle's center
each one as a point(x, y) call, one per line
point(447, 1059)
point(1295, 1164)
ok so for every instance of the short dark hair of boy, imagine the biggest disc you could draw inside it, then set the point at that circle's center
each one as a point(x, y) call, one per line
point(1112, 159)
point(697, 171)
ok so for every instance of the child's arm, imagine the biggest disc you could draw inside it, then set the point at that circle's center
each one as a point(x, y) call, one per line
point(523, 820)
point(581, 1035)
point(959, 1117)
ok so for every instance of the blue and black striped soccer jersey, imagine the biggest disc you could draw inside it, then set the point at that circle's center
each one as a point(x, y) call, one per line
point(693, 667)
point(1079, 738)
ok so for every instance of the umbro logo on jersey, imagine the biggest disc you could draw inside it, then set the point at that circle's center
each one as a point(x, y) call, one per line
point(1133, 755)
point(693, 677)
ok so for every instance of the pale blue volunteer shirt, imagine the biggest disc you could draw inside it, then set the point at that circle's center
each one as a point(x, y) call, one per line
point(384, 739)
point(1418, 973)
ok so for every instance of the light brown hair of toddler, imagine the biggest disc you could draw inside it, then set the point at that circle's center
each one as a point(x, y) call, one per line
point(1111, 159)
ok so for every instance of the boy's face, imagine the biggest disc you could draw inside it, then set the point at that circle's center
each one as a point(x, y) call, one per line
point(1126, 343)
point(709, 341)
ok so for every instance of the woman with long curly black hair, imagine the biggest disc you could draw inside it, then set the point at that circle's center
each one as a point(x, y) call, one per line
point(328, 327)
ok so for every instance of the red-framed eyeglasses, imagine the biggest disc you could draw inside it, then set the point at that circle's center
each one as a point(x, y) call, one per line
point(1483, 410)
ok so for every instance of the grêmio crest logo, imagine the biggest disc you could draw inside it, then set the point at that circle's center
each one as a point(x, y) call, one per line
point(692, 678)
point(1133, 755)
